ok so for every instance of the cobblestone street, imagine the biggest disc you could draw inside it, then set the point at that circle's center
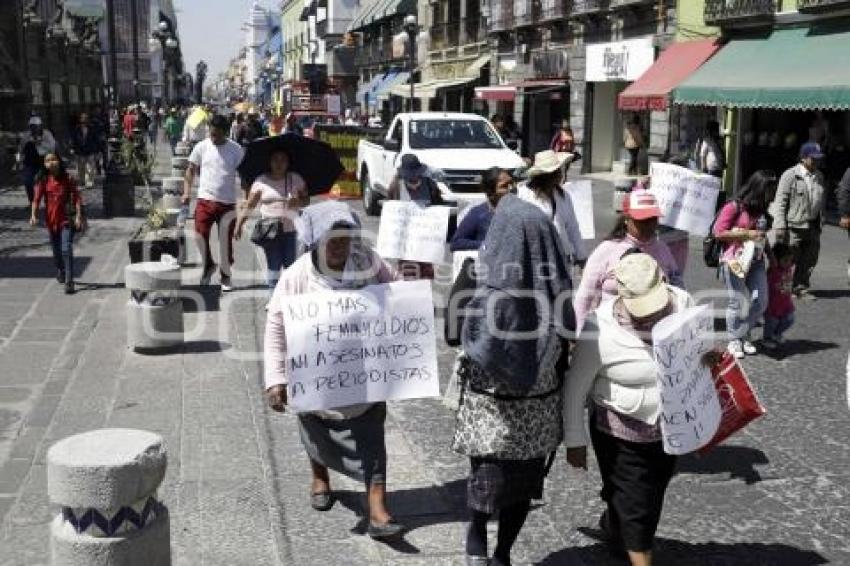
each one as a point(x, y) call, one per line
point(777, 494)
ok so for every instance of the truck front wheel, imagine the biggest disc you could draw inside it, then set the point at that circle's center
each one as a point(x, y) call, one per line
point(370, 200)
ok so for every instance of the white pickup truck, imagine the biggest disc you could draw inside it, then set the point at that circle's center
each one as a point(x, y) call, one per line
point(460, 146)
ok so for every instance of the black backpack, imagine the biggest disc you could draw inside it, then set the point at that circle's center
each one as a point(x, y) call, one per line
point(712, 248)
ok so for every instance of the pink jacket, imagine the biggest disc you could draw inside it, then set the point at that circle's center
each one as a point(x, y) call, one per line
point(598, 282)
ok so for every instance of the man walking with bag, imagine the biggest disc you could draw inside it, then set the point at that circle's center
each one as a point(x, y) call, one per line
point(216, 158)
point(798, 214)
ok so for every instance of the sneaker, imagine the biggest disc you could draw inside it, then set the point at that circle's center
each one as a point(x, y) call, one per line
point(736, 349)
point(749, 348)
point(769, 344)
point(226, 285)
point(60, 276)
point(69, 288)
point(779, 340)
point(206, 276)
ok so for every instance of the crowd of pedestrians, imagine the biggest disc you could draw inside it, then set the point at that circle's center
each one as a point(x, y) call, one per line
point(591, 358)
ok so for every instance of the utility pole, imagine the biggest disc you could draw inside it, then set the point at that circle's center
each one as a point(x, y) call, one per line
point(134, 26)
point(113, 59)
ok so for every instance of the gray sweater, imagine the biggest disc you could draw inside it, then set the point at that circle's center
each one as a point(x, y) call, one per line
point(796, 204)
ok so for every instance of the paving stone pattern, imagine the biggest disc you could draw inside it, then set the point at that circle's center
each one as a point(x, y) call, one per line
point(237, 480)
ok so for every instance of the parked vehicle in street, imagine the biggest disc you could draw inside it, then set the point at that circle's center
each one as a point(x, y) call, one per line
point(460, 146)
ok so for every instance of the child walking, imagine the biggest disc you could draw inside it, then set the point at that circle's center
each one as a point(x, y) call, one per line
point(63, 215)
point(780, 307)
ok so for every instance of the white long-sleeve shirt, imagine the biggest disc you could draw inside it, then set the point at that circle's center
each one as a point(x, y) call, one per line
point(616, 368)
point(563, 217)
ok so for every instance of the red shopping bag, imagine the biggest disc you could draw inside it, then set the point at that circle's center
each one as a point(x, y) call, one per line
point(738, 401)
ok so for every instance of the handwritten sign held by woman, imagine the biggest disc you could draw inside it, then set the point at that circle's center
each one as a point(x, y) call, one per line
point(413, 232)
point(690, 408)
point(373, 344)
point(686, 199)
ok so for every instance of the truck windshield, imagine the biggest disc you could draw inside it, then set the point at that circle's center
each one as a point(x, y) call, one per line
point(453, 134)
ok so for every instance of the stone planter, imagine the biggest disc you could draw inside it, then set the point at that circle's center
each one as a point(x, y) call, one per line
point(151, 246)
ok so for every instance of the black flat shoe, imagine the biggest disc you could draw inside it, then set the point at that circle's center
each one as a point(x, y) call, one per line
point(321, 501)
point(69, 288)
point(386, 530)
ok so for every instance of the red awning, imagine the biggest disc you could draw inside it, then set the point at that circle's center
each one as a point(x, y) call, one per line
point(652, 90)
point(508, 92)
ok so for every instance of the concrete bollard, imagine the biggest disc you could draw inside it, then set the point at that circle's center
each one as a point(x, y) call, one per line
point(180, 163)
point(106, 482)
point(172, 185)
point(155, 311)
point(170, 201)
point(182, 149)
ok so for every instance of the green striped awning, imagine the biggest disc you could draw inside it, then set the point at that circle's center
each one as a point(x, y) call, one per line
point(800, 68)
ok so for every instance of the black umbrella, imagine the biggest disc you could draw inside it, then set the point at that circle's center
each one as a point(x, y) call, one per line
point(314, 160)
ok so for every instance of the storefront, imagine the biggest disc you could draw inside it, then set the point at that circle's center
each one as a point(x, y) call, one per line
point(652, 93)
point(782, 89)
point(538, 103)
point(610, 67)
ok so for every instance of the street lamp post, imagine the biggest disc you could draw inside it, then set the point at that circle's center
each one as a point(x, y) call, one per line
point(164, 38)
point(411, 26)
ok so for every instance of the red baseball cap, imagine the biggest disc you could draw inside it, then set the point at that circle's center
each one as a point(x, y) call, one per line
point(641, 205)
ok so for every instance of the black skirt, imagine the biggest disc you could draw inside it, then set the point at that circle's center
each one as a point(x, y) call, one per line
point(494, 484)
point(634, 479)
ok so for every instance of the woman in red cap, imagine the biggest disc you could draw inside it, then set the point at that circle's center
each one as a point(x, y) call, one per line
point(636, 230)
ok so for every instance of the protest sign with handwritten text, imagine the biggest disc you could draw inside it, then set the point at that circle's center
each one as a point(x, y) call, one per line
point(372, 344)
point(687, 199)
point(580, 194)
point(690, 408)
point(413, 232)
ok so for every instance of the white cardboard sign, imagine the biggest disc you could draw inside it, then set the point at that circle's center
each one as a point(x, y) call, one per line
point(690, 408)
point(349, 347)
point(413, 232)
point(687, 199)
point(580, 194)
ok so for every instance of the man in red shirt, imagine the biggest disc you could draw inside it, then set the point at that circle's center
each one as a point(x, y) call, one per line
point(129, 122)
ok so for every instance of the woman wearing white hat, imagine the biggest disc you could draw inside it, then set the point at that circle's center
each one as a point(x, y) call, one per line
point(543, 189)
point(613, 364)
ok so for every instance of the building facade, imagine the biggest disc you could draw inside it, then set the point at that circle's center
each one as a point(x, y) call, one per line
point(458, 53)
point(59, 56)
point(382, 58)
point(774, 84)
point(332, 22)
point(258, 30)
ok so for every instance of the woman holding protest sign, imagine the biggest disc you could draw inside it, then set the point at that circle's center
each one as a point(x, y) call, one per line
point(613, 363)
point(415, 182)
point(741, 226)
point(636, 230)
point(509, 421)
point(349, 440)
